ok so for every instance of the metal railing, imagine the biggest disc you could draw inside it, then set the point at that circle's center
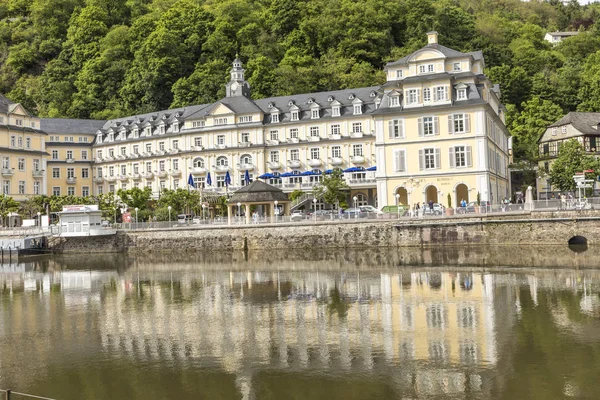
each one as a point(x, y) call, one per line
point(12, 395)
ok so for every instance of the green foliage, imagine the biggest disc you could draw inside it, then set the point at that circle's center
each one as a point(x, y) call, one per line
point(136, 198)
point(478, 198)
point(181, 202)
point(295, 194)
point(7, 205)
point(332, 188)
point(571, 159)
point(449, 201)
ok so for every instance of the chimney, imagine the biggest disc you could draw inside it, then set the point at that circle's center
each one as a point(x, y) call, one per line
point(432, 37)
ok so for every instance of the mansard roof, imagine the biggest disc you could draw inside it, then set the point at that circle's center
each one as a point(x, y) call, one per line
point(70, 126)
point(5, 103)
point(305, 100)
point(446, 51)
point(153, 118)
point(584, 122)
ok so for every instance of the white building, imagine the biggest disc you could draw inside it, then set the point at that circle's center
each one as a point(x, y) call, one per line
point(82, 220)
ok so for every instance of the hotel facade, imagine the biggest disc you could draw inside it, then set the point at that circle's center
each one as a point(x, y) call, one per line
point(436, 127)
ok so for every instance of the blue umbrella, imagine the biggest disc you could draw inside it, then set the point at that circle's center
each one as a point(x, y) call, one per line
point(267, 176)
point(227, 179)
point(208, 180)
point(328, 171)
point(287, 175)
point(354, 169)
point(373, 168)
point(247, 177)
point(191, 181)
point(308, 173)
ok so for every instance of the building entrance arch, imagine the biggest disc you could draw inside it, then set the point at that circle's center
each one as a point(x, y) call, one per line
point(462, 193)
point(403, 199)
point(431, 193)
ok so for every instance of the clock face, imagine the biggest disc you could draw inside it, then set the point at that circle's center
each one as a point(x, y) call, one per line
point(234, 86)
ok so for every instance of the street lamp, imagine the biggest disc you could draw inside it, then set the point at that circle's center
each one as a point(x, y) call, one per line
point(203, 211)
point(136, 217)
point(169, 208)
point(315, 208)
point(276, 211)
point(397, 203)
point(355, 200)
point(39, 220)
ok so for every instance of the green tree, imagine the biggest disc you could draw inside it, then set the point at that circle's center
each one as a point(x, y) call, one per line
point(7, 205)
point(136, 197)
point(571, 159)
point(332, 188)
point(515, 83)
point(589, 93)
point(180, 200)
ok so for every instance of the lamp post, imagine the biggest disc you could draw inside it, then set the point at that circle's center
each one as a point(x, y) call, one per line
point(168, 208)
point(136, 218)
point(355, 213)
point(441, 202)
point(239, 210)
point(276, 210)
point(315, 208)
point(39, 221)
point(397, 204)
point(203, 211)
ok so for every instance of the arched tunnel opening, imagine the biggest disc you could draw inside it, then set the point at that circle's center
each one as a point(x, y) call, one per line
point(578, 244)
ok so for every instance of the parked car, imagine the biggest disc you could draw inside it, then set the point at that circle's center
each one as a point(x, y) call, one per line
point(438, 209)
point(470, 208)
point(325, 214)
point(297, 215)
point(355, 213)
point(370, 209)
point(185, 218)
point(196, 220)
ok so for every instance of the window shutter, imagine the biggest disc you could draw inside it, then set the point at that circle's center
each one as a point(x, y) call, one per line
point(445, 92)
point(418, 95)
point(401, 128)
point(467, 123)
point(438, 158)
point(451, 157)
point(435, 98)
point(436, 126)
point(402, 161)
point(469, 157)
point(420, 126)
point(451, 124)
point(391, 129)
point(421, 159)
point(396, 160)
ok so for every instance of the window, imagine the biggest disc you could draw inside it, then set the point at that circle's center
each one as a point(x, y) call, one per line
point(336, 151)
point(161, 165)
point(123, 151)
point(294, 133)
point(356, 127)
point(21, 187)
point(36, 164)
point(148, 148)
point(56, 191)
point(198, 124)
point(199, 182)
point(245, 159)
point(198, 163)
point(400, 160)
point(5, 163)
point(274, 135)
point(123, 170)
point(28, 143)
point(394, 101)
point(111, 171)
point(148, 131)
point(221, 140)
point(295, 115)
point(456, 66)
point(98, 154)
point(111, 153)
point(20, 141)
point(357, 109)
point(36, 187)
point(84, 154)
point(336, 129)
point(422, 69)
point(274, 117)
point(429, 158)
point(149, 167)
point(85, 191)
point(440, 93)
point(335, 111)
point(435, 316)
point(460, 156)
point(430, 68)
point(314, 153)
point(6, 187)
point(314, 131)
point(220, 181)
point(459, 123)
point(99, 138)
point(136, 133)
point(21, 164)
point(99, 172)
point(110, 137)
point(314, 114)
point(136, 168)
point(412, 96)
point(70, 173)
point(69, 154)
point(175, 127)
point(274, 156)
point(563, 129)
point(222, 161)
point(71, 190)
point(175, 184)
point(100, 189)
point(295, 155)
point(161, 130)
point(461, 94)
point(246, 118)
point(19, 122)
point(56, 173)
point(85, 173)
point(357, 150)
point(175, 164)
point(427, 126)
point(13, 141)
point(220, 121)
point(198, 141)
point(399, 73)
point(245, 137)
point(396, 129)
point(161, 146)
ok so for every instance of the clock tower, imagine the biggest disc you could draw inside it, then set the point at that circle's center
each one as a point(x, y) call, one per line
point(237, 86)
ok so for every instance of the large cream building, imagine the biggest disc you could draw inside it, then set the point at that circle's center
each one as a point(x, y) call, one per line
point(436, 127)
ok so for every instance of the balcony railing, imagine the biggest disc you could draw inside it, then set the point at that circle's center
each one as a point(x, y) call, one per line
point(315, 162)
point(335, 136)
point(245, 144)
point(162, 174)
point(110, 178)
point(274, 165)
point(175, 172)
point(198, 170)
point(38, 174)
point(123, 177)
point(314, 138)
point(8, 171)
point(136, 176)
point(294, 163)
point(98, 179)
point(71, 180)
point(70, 160)
point(221, 168)
point(356, 134)
point(245, 167)
point(357, 159)
point(147, 175)
point(336, 161)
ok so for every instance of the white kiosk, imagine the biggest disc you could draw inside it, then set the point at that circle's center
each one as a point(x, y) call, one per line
point(85, 220)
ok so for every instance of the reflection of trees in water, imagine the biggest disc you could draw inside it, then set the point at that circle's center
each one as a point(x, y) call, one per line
point(337, 303)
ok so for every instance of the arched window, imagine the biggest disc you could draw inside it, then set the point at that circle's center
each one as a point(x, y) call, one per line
point(246, 159)
point(222, 161)
point(198, 162)
point(361, 200)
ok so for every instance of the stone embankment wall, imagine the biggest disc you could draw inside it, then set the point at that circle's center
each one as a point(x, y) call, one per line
point(516, 229)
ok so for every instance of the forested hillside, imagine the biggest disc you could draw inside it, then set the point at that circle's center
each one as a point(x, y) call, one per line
point(107, 58)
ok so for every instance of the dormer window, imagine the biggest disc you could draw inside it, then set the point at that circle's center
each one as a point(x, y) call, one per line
point(99, 138)
point(136, 133)
point(335, 111)
point(175, 127)
point(399, 73)
point(456, 67)
point(351, 97)
point(461, 94)
point(290, 103)
point(357, 109)
point(274, 117)
point(148, 131)
point(553, 131)
point(424, 69)
point(314, 114)
point(295, 115)
point(563, 129)
point(394, 101)
point(330, 99)
point(162, 129)
point(111, 137)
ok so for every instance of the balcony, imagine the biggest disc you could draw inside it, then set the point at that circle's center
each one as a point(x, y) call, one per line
point(173, 151)
point(121, 157)
point(294, 140)
point(336, 161)
point(294, 163)
point(175, 172)
point(147, 175)
point(38, 174)
point(274, 165)
point(314, 138)
point(198, 171)
point(8, 171)
point(71, 180)
point(70, 160)
point(134, 155)
point(315, 162)
point(361, 182)
point(221, 168)
point(110, 178)
point(162, 174)
point(356, 135)
point(220, 146)
point(136, 176)
point(98, 179)
point(274, 142)
point(245, 167)
point(335, 137)
point(123, 177)
point(245, 144)
point(357, 159)
point(197, 148)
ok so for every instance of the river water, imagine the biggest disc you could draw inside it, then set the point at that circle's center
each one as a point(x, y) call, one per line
point(503, 323)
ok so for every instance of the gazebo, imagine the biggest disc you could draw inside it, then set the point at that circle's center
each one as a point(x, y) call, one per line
point(258, 193)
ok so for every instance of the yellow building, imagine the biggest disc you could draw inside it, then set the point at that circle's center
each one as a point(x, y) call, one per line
point(440, 129)
point(22, 148)
point(69, 146)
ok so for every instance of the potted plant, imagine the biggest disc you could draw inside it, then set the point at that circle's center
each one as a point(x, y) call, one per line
point(449, 210)
point(477, 209)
